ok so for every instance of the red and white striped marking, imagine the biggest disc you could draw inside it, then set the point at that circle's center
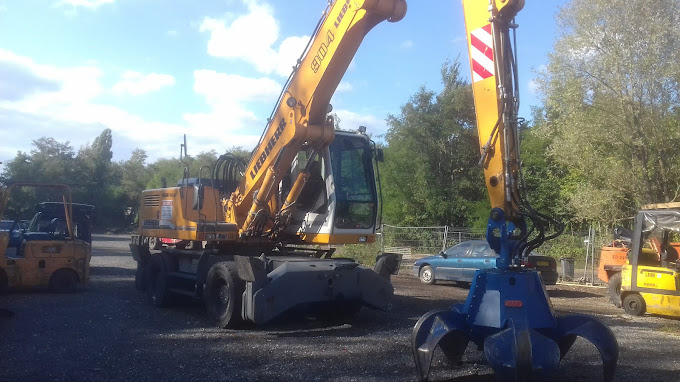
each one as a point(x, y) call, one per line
point(481, 51)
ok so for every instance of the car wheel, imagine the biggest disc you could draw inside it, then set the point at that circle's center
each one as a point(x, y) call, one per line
point(634, 304)
point(615, 289)
point(427, 275)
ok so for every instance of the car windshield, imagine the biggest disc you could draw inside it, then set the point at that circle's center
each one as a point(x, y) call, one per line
point(459, 250)
point(483, 250)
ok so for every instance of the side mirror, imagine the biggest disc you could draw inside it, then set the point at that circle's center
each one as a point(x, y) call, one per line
point(443, 254)
point(199, 195)
point(379, 155)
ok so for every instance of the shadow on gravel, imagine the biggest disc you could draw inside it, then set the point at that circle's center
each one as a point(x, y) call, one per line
point(111, 271)
point(571, 293)
point(6, 313)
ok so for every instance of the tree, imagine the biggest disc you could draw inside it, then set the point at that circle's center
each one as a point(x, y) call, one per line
point(94, 166)
point(50, 162)
point(611, 100)
point(430, 175)
point(134, 178)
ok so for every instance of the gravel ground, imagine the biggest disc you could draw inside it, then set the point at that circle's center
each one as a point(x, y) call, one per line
point(107, 332)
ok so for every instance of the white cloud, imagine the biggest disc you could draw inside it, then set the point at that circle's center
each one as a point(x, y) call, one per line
point(62, 102)
point(407, 44)
point(349, 120)
point(344, 87)
point(228, 96)
point(135, 83)
point(89, 4)
point(251, 37)
point(533, 85)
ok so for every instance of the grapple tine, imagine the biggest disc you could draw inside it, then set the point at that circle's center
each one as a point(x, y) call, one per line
point(521, 354)
point(597, 333)
point(446, 328)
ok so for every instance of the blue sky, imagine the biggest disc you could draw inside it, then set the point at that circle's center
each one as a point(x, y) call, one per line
point(153, 70)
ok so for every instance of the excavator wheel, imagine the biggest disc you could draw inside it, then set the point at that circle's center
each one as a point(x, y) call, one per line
point(140, 276)
point(222, 295)
point(155, 243)
point(156, 277)
point(614, 287)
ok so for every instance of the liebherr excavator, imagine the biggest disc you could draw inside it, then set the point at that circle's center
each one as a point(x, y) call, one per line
point(507, 313)
point(247, 237)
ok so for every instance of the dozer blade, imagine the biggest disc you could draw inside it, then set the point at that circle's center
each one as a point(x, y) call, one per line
point(521, 354)
point(593, 330)
point(446, 328)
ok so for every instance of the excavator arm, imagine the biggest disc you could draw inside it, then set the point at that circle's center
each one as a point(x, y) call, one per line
point(301, 115)
point(508, 313)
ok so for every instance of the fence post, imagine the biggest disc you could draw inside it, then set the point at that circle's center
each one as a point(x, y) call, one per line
point(446, 234)
point(382, 238)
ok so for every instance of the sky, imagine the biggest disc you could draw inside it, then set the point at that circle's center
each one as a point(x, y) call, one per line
point(153, 70)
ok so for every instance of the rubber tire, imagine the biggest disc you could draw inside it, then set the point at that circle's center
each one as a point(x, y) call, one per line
point(156, 276)
point(63, 280)
point(426, 275)
point(614, 288)
point(155, 243)
point(634, 304)
point(4, 280)
point(222, 295)
point(140, 276)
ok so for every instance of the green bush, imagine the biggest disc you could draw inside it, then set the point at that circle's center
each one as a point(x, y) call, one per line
point(363, 254)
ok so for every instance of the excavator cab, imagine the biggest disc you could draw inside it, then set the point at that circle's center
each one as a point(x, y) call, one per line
point(650, 284)
point(339, 201)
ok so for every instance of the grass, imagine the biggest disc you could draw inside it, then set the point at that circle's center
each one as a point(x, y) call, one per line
point(363, 254)
point(670, 330)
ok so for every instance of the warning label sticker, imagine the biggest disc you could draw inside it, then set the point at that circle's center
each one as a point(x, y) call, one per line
point(166, 210)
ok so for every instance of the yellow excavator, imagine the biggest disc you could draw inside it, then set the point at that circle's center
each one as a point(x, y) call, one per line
point(507, 313)
point(253, 240)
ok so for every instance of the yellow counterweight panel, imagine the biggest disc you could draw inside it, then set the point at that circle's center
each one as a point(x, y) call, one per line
point(168, 212)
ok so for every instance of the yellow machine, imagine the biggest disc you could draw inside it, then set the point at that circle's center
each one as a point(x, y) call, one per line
point(652, 284)
point(247, 236)
point(54, 251)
